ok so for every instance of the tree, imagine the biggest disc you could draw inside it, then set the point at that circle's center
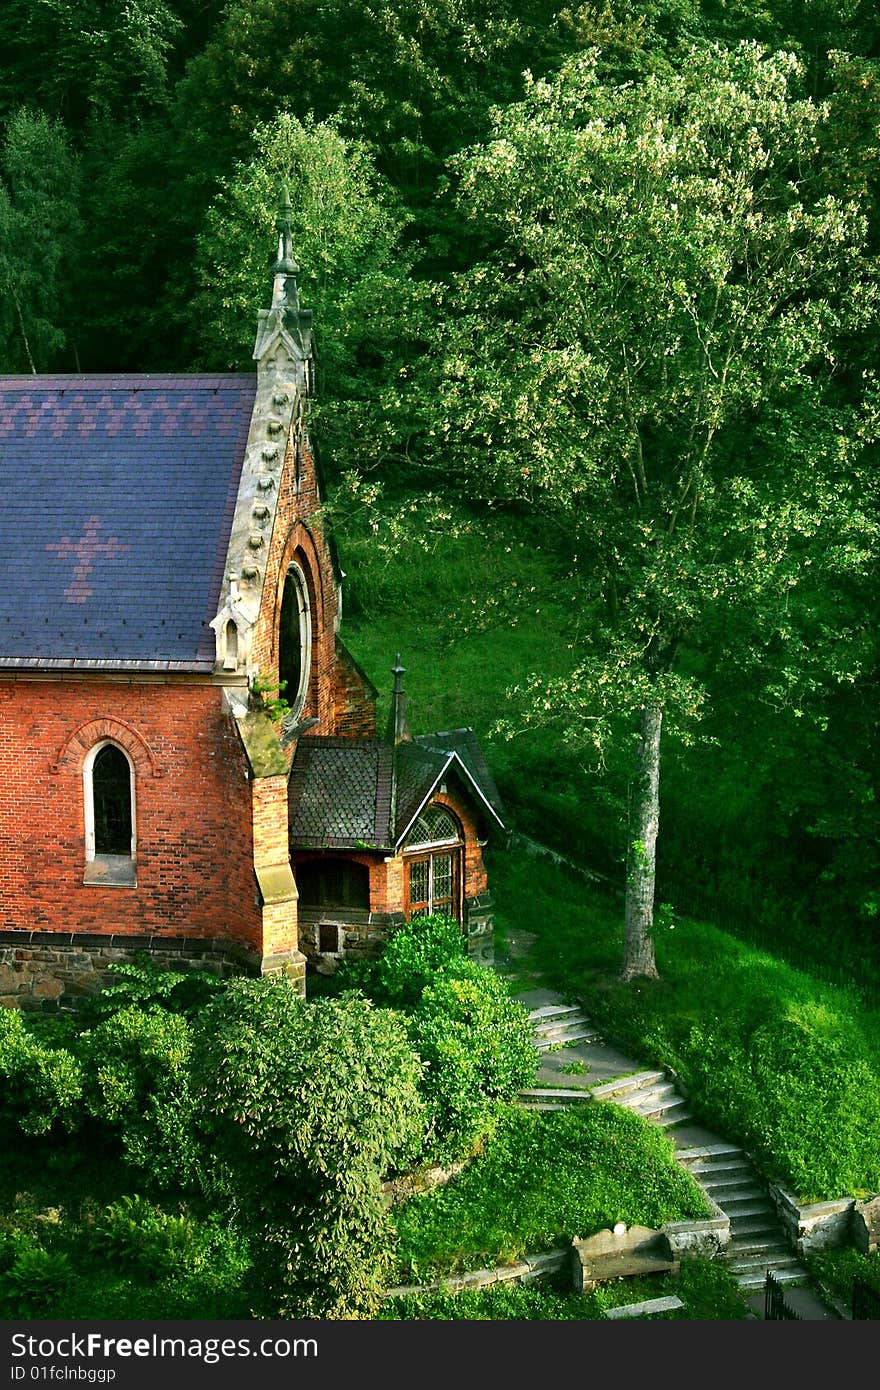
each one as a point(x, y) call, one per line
point(353, 272)
point(39, 223)
point(650, 356)
point(304, 1107)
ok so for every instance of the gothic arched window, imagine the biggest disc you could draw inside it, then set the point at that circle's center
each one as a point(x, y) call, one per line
point(432, 863)
point(295, 639)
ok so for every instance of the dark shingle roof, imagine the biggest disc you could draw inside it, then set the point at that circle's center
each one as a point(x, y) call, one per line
point(339, 793)
point(355, 793)
point(118, 497)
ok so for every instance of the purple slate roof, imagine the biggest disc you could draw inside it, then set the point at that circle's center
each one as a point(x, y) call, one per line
point(118, 497)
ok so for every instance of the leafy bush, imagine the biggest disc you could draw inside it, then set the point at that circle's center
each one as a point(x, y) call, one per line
point(137, 1085)
point(476, 1043)
point(305, 1106)
point(139, 1237)
point(39, 1085)
point(146, 985)
point(30, 1277)
point(413, 955)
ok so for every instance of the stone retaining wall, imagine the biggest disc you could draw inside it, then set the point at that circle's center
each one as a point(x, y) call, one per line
point(50, 970)
point(817, 1226)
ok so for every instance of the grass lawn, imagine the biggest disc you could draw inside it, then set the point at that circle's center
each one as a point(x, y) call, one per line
point(774, 1058)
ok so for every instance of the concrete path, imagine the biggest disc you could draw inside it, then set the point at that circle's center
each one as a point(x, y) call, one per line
point(573, 1070)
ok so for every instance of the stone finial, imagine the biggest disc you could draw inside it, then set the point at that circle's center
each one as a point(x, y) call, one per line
point(398, 725)
point(285, 269)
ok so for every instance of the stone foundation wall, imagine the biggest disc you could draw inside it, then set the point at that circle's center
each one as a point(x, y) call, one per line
point(51, 970)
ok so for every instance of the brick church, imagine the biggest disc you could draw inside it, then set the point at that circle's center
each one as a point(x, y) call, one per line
point(166, 566)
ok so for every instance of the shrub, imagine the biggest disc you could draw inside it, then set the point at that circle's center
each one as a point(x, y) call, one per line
point(305, 1105)
point(32, 1278)
point(413, 955)
point(141, 1238)
point(476, 1043)
point(137, 1085)
point(145, 985)
point(39, 1085)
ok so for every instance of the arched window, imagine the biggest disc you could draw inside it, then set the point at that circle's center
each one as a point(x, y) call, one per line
point(295, 639)
point(108, 785)
point(432, 862)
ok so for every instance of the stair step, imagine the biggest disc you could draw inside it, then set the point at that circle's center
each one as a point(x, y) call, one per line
point(561, 1093)
point(752, 1228)
point(554, 1011)
point(662, 1091)
point(766, 1246)
point(715, 1155)
point(722, 1182)
point(657, 1104)
point(784, 1276)
point(741, 1192)
point(557, 1044)
point(677, 1117)
point(610, 1090)
point(562, 1030)
point(735, 1207)
point(753, 1264)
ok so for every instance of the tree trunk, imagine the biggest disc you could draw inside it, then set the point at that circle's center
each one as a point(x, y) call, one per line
point(638, 950)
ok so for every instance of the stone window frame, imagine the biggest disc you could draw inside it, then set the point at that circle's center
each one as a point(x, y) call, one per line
point(108, 870)
point(294, 572)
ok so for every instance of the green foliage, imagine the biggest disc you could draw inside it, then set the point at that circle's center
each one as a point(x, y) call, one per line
point(412, 956)
point(139, 1237)
point(39, 181)
point(145, 985)
point(541, 1179)
point(773, 1058)
point(137, 1086)
point(31, 1277)
point(836, 1271)
point(39, 1086)
point(476, 1043)
point(304, 1107)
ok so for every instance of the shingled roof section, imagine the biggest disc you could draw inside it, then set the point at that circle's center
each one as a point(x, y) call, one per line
point(339, 794)
point(118, 497)
point(359, 793)
point(465, 743)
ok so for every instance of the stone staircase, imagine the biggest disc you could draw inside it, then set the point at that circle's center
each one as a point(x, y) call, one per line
point(756, 1241)
point(722, 1170)
point(560, 1025)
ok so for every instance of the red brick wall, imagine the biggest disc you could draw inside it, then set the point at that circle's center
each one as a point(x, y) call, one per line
point(193, 810)
point(337, 694)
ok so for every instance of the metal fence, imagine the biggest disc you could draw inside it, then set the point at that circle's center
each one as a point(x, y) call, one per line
point(776, 1308)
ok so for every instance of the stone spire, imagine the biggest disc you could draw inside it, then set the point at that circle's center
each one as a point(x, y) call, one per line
point(285, 269)
point(285, 326)
point(398, 726)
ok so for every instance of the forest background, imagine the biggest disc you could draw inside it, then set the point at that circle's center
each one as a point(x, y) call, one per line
point(450, 239)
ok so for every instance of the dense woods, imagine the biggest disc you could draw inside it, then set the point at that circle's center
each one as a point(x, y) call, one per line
point(600, 277)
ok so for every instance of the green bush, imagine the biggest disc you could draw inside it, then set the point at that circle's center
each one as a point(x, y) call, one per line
point(144, 985)
point(413, 955)
point(31, 1278)
point(137, 1086)
point(39, 1085)
point(305, 1106)
point(476, 1043)
point(139, 1237)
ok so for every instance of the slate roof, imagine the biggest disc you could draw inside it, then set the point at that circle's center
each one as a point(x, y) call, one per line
point(118, 496)
point(362, 793)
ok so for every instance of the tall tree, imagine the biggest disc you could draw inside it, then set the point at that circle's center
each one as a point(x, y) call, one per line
point(353, 273)
point(650, 358)
point(38, 233)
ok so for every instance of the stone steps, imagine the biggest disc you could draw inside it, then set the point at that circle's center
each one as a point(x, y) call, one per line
point(615, 1090)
